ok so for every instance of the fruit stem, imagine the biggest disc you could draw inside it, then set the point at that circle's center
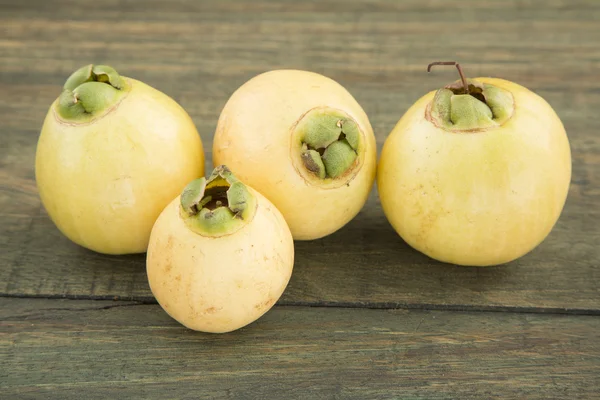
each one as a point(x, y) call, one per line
point(460, 71)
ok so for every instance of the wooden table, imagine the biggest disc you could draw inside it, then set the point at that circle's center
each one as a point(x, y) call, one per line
point(364, 315)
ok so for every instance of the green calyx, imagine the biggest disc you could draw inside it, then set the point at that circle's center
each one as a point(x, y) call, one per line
point(217, 206)
point(90, 91)
point(330, 141)
point(483, 106)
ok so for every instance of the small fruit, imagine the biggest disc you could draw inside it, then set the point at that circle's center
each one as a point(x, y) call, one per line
point(476, 173)
point(220, 255)
point(301, 140)
point(111, 155)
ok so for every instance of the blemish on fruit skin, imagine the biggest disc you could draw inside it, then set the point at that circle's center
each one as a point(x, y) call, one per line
point(122, 177)
point(169, 242)
point(265, 304)
point(168, 267)
point(427, 223)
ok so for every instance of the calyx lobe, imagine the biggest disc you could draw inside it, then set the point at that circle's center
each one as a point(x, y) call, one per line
point(89, 91)
point(330, 142)
point(218, 205)
point(484, 106)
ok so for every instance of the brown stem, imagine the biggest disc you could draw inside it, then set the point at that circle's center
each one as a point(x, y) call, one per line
point(460, 72)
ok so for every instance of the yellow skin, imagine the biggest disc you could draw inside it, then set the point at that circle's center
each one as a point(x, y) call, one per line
point(220, 284)
point(104, 183)
point(254, 138)
point(479, 198)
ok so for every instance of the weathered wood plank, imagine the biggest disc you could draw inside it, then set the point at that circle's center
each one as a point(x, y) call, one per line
point(199, 52)
point(366, 264)
point(101, 349)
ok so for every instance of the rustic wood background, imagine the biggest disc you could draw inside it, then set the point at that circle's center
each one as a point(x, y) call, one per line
point(364, 316)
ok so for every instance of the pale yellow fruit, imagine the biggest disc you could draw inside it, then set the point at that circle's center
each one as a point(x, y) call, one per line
point(481, 197)
point(258, 136)
point(219, 277)
point(105, 180)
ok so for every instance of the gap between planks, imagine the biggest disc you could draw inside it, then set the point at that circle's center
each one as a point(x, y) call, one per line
point(336, 304)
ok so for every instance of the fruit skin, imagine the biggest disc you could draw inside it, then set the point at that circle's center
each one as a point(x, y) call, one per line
point(220, 284)
point(104, 183)
point(254, 138)
point(480, 198)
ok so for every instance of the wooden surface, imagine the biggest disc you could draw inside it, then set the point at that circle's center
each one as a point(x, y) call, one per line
point(128, 350)
point(199, 52)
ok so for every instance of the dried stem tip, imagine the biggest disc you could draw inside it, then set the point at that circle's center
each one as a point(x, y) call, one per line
point(460, 71)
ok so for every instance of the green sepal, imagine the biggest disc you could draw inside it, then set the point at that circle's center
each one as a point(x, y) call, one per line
point(338, 158)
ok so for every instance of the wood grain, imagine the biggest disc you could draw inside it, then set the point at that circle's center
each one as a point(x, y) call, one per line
point(100, 349)
point(200, 52)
